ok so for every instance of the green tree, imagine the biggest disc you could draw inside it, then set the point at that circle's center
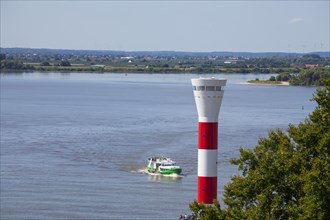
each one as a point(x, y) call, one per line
point(14, 65)
point(272, 78)
point(310, 77)
point(65, 63)
point(286, 176)
point(2, 56)
point(45, 63)
point(283, 77)
point(207, 212)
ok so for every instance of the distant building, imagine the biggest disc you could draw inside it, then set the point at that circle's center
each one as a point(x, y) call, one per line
point(126, 58)
point(313, 65)
point(230, 61)
point(98, 65)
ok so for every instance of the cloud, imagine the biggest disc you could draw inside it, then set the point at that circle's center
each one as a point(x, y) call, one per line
point(295, 20)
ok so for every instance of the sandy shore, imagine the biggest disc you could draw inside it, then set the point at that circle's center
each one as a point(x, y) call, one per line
point(266, 84)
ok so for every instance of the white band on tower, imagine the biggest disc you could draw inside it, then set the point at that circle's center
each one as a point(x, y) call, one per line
point(207, 163)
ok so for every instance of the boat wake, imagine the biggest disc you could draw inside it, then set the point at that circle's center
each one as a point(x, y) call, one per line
point(173, 175)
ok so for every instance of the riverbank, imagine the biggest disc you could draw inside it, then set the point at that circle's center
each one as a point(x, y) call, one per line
point(12, 65)
point(266, 83)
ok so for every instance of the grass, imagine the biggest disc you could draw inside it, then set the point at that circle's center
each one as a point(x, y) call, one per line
point(268, 82)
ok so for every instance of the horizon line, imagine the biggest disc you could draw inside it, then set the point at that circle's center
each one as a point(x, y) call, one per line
point(174, 51)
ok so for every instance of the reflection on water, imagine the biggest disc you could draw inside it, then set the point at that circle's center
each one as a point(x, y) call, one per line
point(157, 177)
point(165, 178)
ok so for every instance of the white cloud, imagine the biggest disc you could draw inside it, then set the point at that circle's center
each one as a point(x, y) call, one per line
point(295, 20)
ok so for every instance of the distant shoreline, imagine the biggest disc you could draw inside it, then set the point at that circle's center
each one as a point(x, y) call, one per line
point(263, 83)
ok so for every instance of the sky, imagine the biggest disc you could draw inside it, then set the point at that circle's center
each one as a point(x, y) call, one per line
point(195, 26)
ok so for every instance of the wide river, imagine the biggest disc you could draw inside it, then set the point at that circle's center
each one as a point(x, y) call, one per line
point(73, 146)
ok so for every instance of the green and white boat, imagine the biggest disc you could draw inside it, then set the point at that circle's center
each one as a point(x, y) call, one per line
point(162, 165)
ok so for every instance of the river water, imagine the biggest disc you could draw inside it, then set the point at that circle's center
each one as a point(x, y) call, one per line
point(73, 145)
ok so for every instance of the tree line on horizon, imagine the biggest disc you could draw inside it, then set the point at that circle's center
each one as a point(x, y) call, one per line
point(46, 51)
point(290, 69)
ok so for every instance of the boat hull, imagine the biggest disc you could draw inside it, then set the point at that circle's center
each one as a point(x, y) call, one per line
point(165, 172)
point(171, 171)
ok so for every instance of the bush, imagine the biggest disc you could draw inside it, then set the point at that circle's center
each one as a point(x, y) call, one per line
point(65, 63)
point(45, 63)
point(272, 78)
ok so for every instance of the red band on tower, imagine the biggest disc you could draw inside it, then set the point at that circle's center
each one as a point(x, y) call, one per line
point(208, 135)
point(207, 189)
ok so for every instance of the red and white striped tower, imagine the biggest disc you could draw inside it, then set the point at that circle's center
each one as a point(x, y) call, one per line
point(208, 94)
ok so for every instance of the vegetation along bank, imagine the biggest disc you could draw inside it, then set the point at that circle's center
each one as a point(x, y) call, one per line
point(296, 69)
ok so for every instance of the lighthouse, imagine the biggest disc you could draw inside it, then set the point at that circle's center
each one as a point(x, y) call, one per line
point(208, 94)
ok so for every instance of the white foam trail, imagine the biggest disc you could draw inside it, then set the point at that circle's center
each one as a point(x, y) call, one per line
point(144, 171)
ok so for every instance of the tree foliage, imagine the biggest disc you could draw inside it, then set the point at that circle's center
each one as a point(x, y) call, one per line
point(286, 176)
point(272, 78)
point(2, 56)
point(310, 77)
point(14, 65)
point(65, 63)
point(207, 212)
point(45, 63)
point(283, 77)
